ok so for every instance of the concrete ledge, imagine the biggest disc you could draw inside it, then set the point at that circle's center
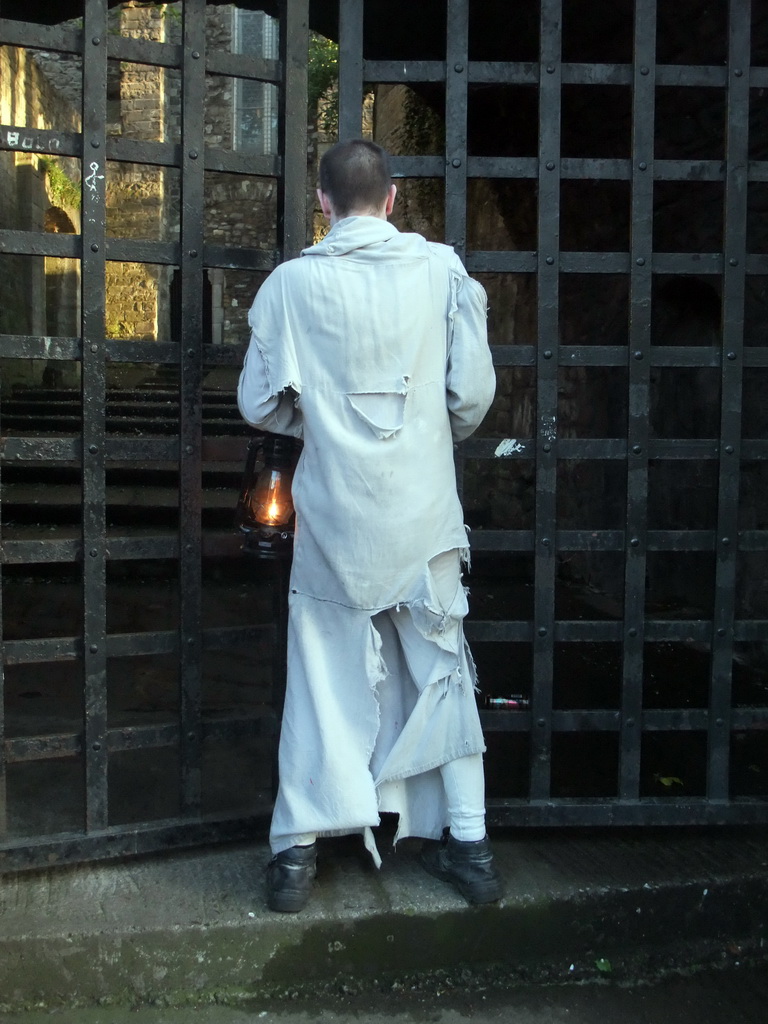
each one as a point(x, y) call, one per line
point(192, 926)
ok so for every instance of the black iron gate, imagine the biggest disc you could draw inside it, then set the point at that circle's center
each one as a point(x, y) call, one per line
point(620, 636)
point(120, 453)
point(618, 619)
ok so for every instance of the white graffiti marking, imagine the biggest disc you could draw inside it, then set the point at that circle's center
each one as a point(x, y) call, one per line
point(509, 446)
point(548, 428)
point(93, 177)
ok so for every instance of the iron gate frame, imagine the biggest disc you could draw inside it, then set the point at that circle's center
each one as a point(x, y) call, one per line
point(455, 167)
point(549, 168)
point(193, 255)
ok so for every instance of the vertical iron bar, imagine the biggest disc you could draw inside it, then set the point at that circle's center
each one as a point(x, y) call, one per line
point(546, 402)
point(3, 791)
point(735, 223)
point(190, 404)
point(93, 403)
point(294, 46)
point(350, 68)
point(456, 76)
point(638, 374)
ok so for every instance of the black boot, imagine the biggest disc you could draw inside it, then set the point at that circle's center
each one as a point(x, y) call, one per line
point(468, 866)
point(290, 874)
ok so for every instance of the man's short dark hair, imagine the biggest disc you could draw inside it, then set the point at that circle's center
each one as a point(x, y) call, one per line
point(355, 175)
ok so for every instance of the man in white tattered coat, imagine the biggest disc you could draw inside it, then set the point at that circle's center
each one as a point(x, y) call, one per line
point(372, 347)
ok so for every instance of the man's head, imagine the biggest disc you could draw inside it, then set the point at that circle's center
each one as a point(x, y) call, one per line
point(355, 181)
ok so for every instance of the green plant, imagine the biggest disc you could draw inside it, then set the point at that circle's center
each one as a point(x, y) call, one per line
point(323, 82)
point(62, 190)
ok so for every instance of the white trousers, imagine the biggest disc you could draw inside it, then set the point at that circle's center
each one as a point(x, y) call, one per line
point(381, 717)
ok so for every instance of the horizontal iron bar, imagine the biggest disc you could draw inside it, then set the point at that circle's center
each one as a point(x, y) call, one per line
point(40, 243)
point(689, 170)
point(671, 811)
point(34, 140)
point(41, 37)
point(479, 261)
point(610, 720)
point(144, 51)
point(403, 71)
point(123, 645)
point(22, 749)
point(417, 167)
point(493, 72)
point(696, 75)
point(66, 848)
point(502, 167)
point(139, 151)
point(241, 65)
point(597, 74)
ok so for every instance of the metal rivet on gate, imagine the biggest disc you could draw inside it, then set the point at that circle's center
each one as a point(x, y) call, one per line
point(190, 640)
point(189, 449)
point(634, 542)
point(547, 353)
point(93, 552)
point(94, 347)
point(541, 723)
point(636, 448)
point(192, 253)
point(547, 447)
point(733, 261)
point(96, 746)
point(738, 72)
point(643, 70)
point(190, 352)
point(726, 541)
point(94, 648)
point(718, 721)
point(550, 165)
point(643, 165)
point(455, 162)
point(189, 547)
point(545, 541)
point(191, 736)
point(96, 40)
point(550, 260)
point(633, 632)
point(550, 69)
point(542, 631)
point(92, 448)
point(729, 449)
point(193, 154)
point(458, 67)
point(95, 143)
point(95, 247)
point(195, 55)
point(630, 722)
point(731, 355)
point(721, 632)
point(638, 355)
point(640, 261)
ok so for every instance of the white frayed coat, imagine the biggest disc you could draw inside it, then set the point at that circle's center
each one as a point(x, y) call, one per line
point(372, 347)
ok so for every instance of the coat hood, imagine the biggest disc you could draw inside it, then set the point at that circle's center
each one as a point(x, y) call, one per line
point(353, 234)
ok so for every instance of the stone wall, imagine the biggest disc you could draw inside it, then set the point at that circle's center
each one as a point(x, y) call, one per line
point(38, 295)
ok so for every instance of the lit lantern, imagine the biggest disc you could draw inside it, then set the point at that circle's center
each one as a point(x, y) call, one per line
point(265, 506)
